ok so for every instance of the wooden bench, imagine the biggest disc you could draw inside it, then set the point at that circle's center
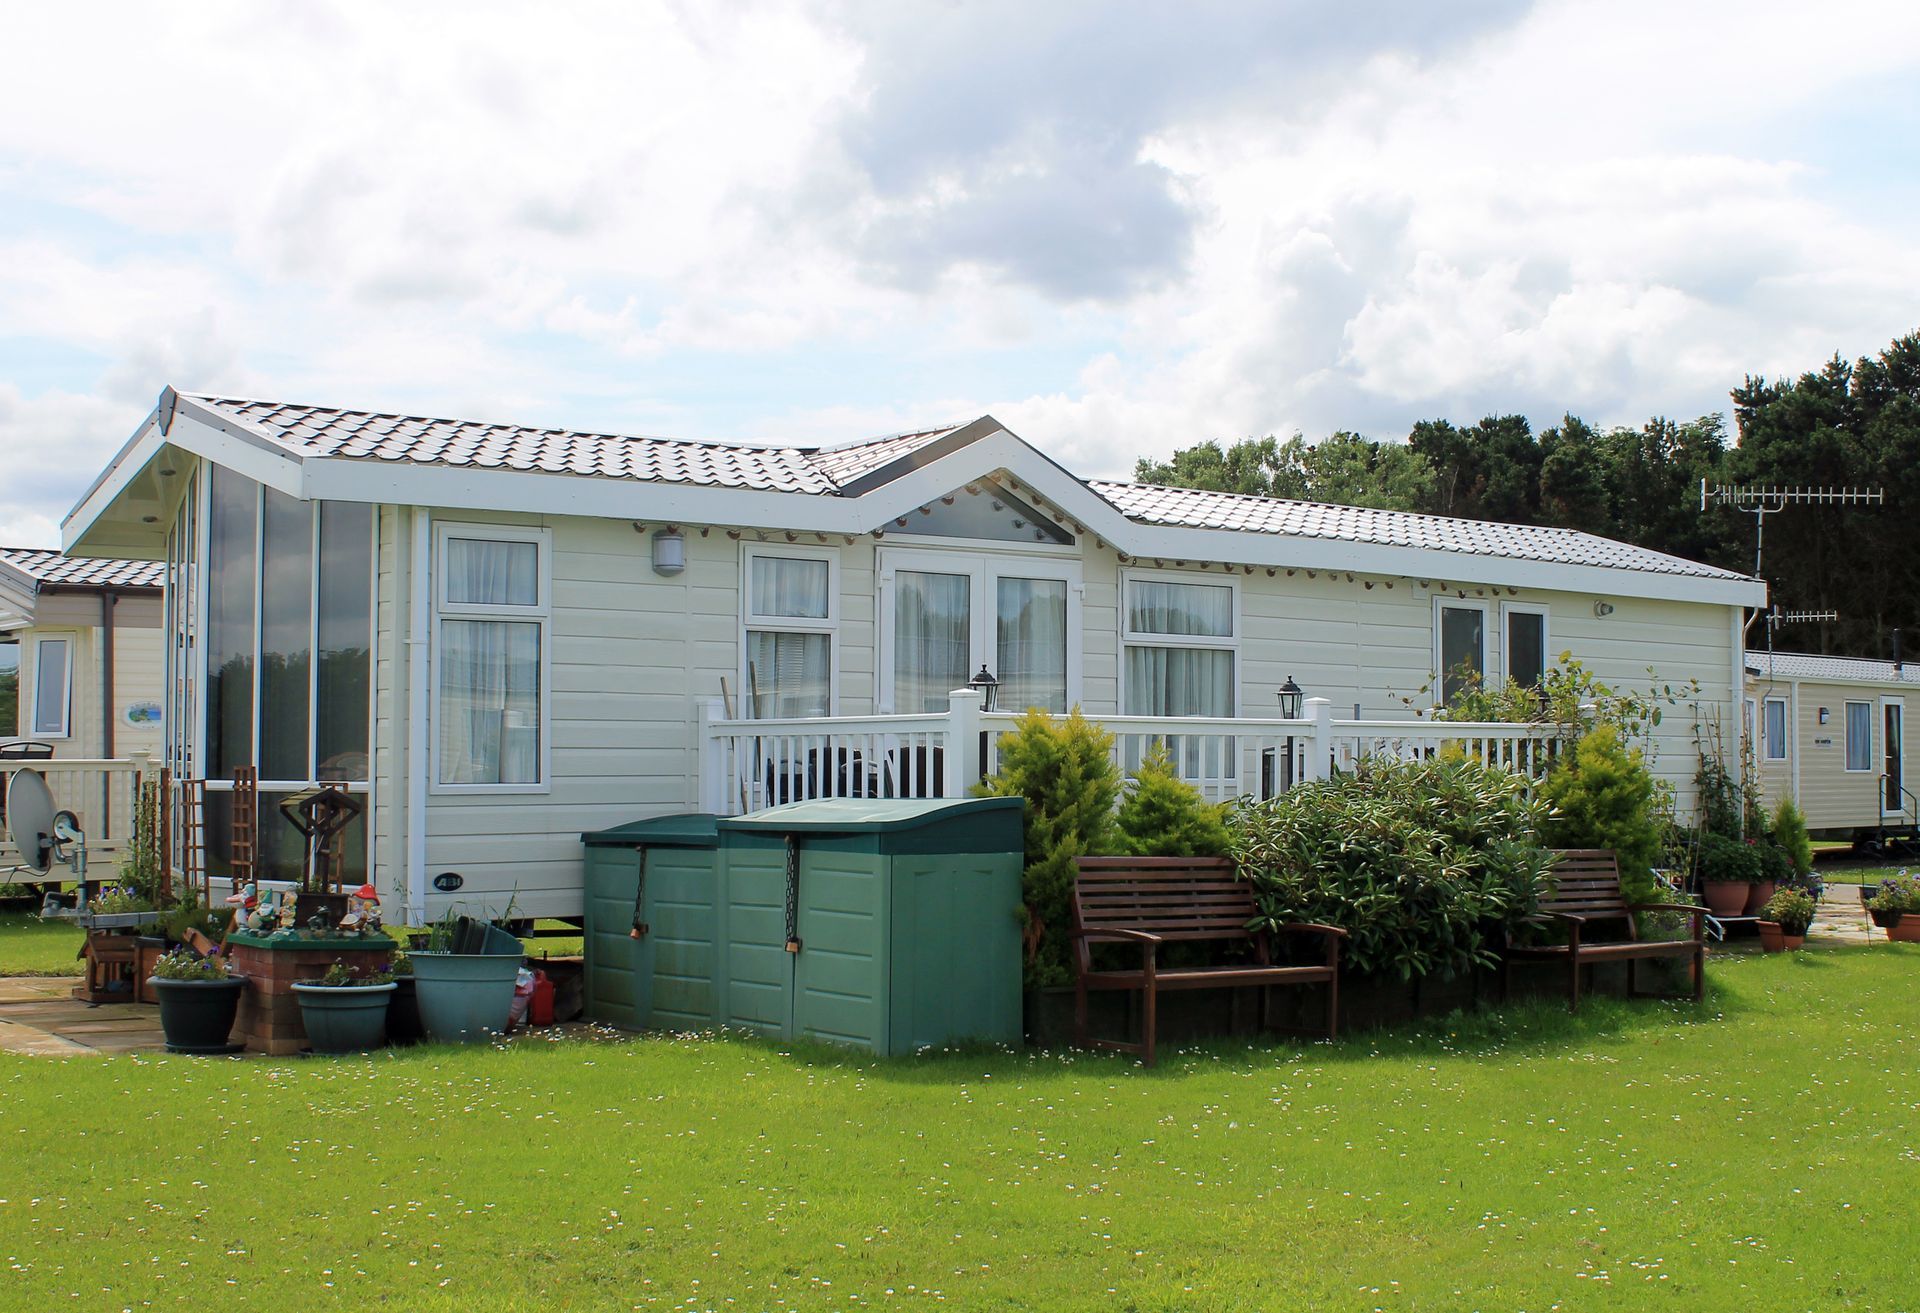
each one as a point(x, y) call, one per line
point(1150, 901)
point(1586, 890)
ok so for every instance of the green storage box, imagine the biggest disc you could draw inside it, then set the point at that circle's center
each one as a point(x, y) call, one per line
point(905, 924)
point(664, 977)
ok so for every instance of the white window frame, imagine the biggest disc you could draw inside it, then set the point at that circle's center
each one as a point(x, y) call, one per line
point(1131, 637)
point(752, 622)
point(1846, 737)
point(541, 612)
point(1507, 611)
point(1767, 744)
point(986, 568)
point(31, 714)
point(1750, 726)
point(1489, 675)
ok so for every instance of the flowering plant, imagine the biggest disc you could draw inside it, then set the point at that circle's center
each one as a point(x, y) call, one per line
point(1900, 894)
point(119, 899)
point(183, 964)
point(342, 976)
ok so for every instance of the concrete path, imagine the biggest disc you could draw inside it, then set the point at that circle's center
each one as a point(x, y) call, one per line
point(40, 1016)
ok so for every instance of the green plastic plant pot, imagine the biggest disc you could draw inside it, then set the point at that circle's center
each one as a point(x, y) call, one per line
point(465, 998)
point(344, 1019)
point(196, 1016)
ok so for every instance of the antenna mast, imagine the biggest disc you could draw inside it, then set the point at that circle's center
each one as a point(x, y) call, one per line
point(1764, 501)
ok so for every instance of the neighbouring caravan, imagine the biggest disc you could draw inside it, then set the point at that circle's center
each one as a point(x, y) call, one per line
point(1830, 733)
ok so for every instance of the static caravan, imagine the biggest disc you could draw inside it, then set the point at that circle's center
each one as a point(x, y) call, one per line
point(1830, 733)
point(80, 679)
point(503, 637)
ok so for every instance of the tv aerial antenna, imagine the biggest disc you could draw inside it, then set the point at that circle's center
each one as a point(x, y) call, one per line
point(1765, 500)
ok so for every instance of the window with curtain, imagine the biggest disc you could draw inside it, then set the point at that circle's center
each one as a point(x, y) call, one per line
point(1462, 649)
point(1180, 648)
point(932, 637)
point(1030, 645)
point(1773, 735)
point(1526, 647)
point(52, 687)
point(491, 658)
point(1859, 736)
point(789, 625)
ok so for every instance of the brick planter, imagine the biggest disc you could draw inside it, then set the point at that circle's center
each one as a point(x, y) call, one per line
point(270, 1010)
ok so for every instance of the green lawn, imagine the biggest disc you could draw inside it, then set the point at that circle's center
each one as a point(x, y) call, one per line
point(32, 947)
point(1757, 1153)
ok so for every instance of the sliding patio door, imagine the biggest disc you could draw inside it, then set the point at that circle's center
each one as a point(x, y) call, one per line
point(945, 615)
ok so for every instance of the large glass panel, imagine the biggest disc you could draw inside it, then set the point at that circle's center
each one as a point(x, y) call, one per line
point(489, 702)
point(1463, 649)
point(286, 635)
point(9, 689)
point(232, 589)
point(931, 637)
point(1526, 647)
point(1859, 736)
point(789, 587)
point(52, 670)
point(1030, 648)
point(1179, 681)
point(1893, 716)
point(788, 674)
point(1158, 607)
point(344, 687)
point(485, 572)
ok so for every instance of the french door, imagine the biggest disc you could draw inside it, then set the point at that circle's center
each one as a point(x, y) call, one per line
point(946, 615)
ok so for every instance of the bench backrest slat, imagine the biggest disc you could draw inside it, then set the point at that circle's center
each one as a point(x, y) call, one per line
point(1177, 898)
point(1586, 882)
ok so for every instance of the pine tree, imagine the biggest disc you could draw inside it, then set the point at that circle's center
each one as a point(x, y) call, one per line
point(1164, 816)
point(1603, 797)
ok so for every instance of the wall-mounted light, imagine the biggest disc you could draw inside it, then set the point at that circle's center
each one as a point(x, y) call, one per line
point(669, 552)
point(1290, 695)
point(986, 686)
point(1823, 715)
point(1603, 609)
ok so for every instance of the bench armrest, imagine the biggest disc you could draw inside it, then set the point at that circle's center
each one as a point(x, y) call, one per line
point(1116, 935)
point(1311, 928)
point(1149, 945)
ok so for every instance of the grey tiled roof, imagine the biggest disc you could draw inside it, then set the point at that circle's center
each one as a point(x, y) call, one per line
point(1196, 509)
point(1797, 665)
point(53, 569)
point(318, 431)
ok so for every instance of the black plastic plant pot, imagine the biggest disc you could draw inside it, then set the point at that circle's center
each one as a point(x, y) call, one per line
point(196, 1016)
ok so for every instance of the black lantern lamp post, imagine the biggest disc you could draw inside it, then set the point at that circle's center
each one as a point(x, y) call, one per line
point(986, 686)
point(1290, 695)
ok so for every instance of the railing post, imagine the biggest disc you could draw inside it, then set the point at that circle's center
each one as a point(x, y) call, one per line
point(1320, 741)
point(962, 755)
point(713, 791)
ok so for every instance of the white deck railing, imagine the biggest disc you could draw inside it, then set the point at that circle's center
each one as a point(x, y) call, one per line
point(749, 764)
point(99, 791)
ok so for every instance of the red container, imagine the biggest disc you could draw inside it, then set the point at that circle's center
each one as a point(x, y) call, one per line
point(540, 1007)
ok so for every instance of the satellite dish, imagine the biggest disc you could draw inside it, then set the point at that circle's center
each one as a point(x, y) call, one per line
point(30, 813)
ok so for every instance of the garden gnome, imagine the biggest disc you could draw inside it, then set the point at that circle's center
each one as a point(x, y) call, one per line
point(364, 914)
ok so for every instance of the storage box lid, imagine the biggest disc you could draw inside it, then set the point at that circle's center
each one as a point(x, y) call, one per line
point(874, 815)
point(684, 830)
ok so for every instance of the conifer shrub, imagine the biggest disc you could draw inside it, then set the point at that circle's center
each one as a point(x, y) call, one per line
point(1789, 830)
point(1064, 768)
point(1603, 796)
point(1161, 815)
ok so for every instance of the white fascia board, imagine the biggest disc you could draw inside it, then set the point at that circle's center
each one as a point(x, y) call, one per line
point(452, 488)
point(124, 469)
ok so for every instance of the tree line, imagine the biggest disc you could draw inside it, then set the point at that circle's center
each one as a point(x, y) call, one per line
point(1842, 425)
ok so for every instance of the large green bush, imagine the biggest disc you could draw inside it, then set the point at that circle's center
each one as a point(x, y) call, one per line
point(1603, 796)
point(1064, 769)
point(1164, 816)
point(1425, 864)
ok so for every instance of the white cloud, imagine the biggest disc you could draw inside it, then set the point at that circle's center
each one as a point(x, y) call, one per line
point(1120, 229)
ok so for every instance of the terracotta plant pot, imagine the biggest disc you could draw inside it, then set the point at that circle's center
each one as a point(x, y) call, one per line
point(1725, 897)
point(1757, 895)
point(1906, 930)
point(1776, 940)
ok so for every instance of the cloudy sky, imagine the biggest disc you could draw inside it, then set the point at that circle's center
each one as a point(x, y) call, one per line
point(1120, 228)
